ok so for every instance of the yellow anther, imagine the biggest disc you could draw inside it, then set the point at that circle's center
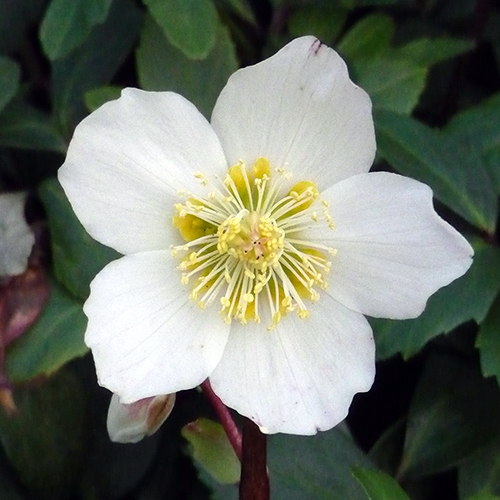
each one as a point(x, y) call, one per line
point(261, 168)
point(225, 302)
point(249, 274)
point(303, 313)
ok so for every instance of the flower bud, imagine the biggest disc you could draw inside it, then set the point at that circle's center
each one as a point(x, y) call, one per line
point(129, 423)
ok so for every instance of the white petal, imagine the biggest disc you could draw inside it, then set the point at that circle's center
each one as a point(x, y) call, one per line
point(300, 377)
point(300, 110)
point(16, 237)
point(147, 338)
point(131, 423)
point(127, 161)
point(394, 251)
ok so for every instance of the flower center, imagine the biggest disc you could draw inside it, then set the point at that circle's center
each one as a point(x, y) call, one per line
point(246, 244)
point(252, 238)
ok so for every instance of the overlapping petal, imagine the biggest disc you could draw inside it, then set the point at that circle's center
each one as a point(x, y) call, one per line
point(300, 110)
point(144, 333)
point(393, 250)
point(128, 160)
point(300, 377)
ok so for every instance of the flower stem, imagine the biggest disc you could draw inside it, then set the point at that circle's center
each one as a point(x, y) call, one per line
point(225, 417)
point(254, 483)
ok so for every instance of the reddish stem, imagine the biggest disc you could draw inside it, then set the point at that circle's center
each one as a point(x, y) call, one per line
point(225, 417)
point(254, 483)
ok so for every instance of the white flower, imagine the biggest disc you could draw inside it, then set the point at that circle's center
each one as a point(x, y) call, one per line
point(253, 245)
point(129, 423)
point(16, 237)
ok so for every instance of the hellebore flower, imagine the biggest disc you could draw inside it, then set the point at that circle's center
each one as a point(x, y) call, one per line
point(253, 245)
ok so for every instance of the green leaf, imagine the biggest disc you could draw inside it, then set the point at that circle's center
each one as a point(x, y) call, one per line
point(54, 339)
point(469, 297)
point(454, 171)
point(324, 23)
point(379, 485)
point(95, 98)
point(479, 126)
point(488, 342)
point(162, 67)
point(190, 25)
point(10, 75)
point(212, 449)
point(393, 84)
point(45, 440)
point(67, 24)
point(479, 474)
point(25, 127)
point(429, 51)
point(368, 38)
point(77, 257)
point(454, 412)
point(94, 63)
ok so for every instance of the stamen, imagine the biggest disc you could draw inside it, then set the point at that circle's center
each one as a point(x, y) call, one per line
point(245, 244)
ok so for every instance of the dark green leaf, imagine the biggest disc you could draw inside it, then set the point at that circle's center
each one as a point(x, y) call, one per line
point(22, 126)
point(311, 467)
point(387, 450)
point(10, 75)
point(454, 412)
point(45, 440)
point(162, 67)
point(95, 98)
point(454, 171)
point(54, 339)
point(67, 24)
point(77, 257)
point(94, 63)
point(488, 342)
point(190, 25)
point(469, 297)
point(479, 126)
point(368, 38)
point(302, 466)
point(325, 24)
point(241, 8)
point(479, 474)
point(429, 51)
point(379, 485)
point(393, 84)
point(484, 495)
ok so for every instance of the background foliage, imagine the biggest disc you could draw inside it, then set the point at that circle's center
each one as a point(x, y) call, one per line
point(429, 428)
